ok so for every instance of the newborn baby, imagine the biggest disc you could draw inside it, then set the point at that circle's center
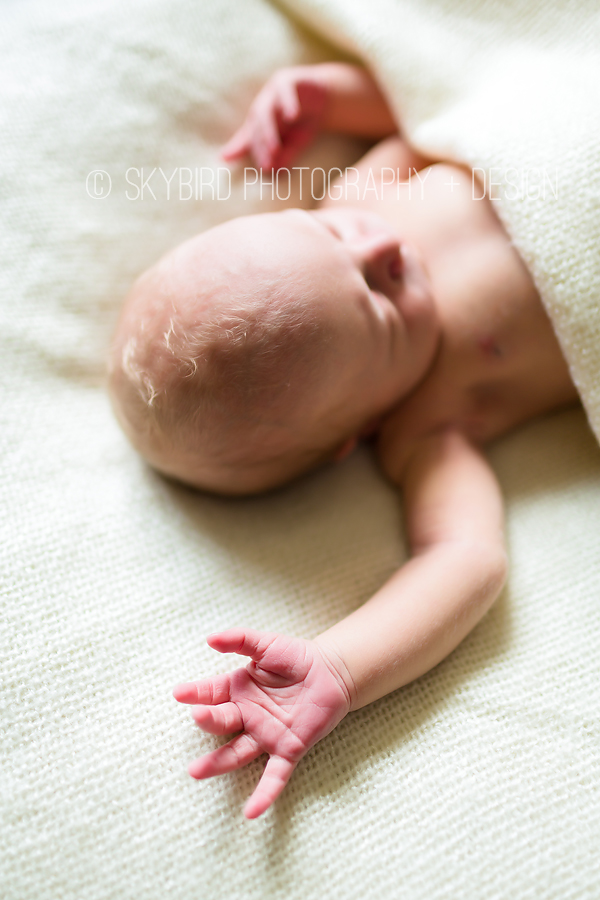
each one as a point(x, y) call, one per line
point(271, 344)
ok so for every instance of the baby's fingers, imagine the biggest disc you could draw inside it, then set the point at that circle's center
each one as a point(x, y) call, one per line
point(237, 146)
point(237, 753)
point(209, 691)
point(275, 777)
point(223, 719)
point(266, 139)
point(289, 102)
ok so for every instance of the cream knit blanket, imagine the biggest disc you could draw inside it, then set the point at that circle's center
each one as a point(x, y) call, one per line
point(482, 779)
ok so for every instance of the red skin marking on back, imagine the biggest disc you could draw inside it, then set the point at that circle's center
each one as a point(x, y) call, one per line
point(489, 346)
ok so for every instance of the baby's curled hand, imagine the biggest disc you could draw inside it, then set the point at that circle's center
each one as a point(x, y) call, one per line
point(281, 703)
point(284, 118)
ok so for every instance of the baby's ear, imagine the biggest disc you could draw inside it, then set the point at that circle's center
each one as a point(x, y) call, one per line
point(345, 449)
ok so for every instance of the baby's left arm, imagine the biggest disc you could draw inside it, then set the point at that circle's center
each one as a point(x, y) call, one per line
point(299, 102)
point(296, 691)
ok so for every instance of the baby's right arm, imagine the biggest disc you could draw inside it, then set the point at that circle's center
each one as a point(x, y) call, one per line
point(296, 691)
point(454, 521)
point(299, 102)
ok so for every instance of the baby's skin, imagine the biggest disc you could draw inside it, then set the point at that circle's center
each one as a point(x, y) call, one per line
point(443, 345)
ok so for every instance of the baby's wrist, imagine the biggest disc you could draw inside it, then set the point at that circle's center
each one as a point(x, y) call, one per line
point(354, 102)
point(335, 663)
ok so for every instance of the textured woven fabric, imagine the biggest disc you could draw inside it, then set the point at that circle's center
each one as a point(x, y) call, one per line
point(480, 780)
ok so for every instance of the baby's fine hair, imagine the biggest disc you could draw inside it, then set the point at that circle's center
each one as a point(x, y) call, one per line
point(206, 384)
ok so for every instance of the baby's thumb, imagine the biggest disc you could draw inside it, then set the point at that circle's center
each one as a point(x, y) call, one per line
point(245, 641)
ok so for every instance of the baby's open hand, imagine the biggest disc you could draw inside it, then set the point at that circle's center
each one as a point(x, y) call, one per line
point(283, 119)
point(281, 703)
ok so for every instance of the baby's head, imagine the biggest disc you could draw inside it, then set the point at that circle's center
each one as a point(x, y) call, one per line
point(269, 344)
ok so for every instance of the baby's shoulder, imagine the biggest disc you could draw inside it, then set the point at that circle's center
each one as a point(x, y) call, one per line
point(396, 445)
point(449, 180)
point(398, 453)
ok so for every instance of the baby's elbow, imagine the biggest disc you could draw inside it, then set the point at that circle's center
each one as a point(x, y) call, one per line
point(492, 563)
point(499, 567)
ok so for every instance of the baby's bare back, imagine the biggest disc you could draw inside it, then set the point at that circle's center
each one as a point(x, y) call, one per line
point(499, 363)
